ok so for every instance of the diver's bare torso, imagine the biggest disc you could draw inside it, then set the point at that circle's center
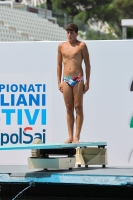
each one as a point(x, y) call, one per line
point(72, 58)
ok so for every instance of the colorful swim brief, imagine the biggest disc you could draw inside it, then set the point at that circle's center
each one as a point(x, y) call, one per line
point(72, 80)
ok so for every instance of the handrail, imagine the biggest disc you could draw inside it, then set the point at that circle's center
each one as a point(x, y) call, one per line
point(7, 2)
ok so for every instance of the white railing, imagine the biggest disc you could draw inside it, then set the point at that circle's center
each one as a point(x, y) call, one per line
point(7, 3)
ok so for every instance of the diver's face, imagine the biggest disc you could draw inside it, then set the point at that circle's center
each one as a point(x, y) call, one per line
point(71, 35)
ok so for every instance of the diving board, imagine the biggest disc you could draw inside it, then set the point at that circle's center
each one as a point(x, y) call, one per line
point(52, 146)
point(61, 155)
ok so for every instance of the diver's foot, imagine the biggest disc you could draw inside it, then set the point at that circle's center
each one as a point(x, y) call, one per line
point(69, 140)
point(76, 140)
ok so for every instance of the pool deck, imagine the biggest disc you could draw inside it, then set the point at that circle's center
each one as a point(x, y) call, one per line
point(91, 175)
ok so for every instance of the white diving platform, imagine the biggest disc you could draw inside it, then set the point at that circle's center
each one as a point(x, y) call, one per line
point(63, 156)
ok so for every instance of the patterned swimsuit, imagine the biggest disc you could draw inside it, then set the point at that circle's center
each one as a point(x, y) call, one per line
point(72, 80)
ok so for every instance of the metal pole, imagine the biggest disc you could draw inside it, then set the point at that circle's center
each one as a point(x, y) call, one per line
point(124, 32)
point(86, 31)
point(65, 20)
point(46, 10)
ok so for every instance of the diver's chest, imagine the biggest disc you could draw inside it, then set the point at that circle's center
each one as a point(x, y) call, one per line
point(69, 53)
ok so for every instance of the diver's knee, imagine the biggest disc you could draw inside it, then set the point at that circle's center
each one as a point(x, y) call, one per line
point(78, 108)
point(69, 108)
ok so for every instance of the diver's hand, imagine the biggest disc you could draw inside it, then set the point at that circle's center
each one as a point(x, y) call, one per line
point(60, 87)
point(86, 87)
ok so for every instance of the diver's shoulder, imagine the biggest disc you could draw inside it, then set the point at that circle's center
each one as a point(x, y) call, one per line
point(83, 44)
point(62, 44)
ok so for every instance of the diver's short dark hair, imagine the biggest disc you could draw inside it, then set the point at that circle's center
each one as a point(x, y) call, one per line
point(72, 27)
